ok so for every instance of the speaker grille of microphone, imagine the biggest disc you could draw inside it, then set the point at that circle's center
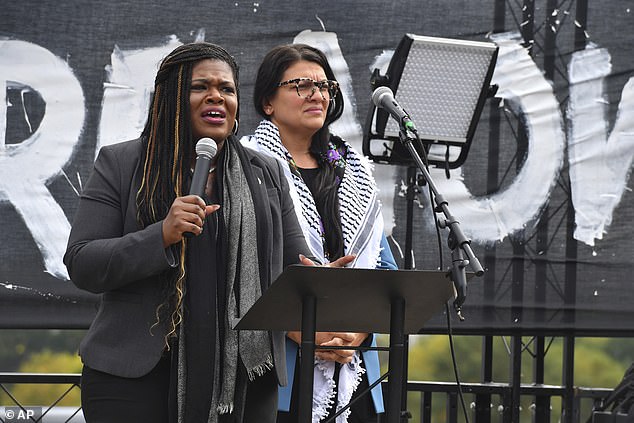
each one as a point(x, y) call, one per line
point(206, 147)
point(380, 92)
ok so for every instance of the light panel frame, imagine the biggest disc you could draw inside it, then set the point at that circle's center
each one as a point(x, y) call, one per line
point(443, 84)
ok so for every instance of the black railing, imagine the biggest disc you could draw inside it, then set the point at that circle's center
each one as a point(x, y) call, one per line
point(487, 402)
point(492, 402)
point(52, 413)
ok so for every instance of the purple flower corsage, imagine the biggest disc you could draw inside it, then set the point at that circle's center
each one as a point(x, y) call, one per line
point(335, 156)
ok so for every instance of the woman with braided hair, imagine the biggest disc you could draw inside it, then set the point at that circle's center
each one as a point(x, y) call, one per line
point(335, 198)
point(161, 347)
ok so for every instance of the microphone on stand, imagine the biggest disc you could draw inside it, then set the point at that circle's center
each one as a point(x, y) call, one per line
point(383, 98)
point(206, 150)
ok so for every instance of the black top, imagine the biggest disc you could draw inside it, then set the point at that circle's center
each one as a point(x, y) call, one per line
point(309, 176)
point(204, 303)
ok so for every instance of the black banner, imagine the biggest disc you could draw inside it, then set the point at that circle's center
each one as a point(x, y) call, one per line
point(545, 193)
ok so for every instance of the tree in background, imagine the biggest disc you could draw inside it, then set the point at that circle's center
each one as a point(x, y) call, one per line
point(46, 394)
point(40, 351)
point(16, 345)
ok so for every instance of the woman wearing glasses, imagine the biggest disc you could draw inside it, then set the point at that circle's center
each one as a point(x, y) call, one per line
point(335, 199)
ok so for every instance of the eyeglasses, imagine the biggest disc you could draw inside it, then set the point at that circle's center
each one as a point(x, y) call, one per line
point(306, 87)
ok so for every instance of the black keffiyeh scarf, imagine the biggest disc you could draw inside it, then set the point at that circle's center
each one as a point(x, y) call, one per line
point(359, 208)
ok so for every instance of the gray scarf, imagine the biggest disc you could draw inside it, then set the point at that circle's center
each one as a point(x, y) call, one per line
point(243, 289)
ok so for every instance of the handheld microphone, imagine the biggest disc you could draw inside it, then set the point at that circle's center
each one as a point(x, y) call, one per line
point(383, 97)
point(206, 150)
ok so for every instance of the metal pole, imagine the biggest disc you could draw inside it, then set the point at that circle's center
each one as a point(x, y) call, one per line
point(396, 379)
point(307, 360)
point(568, 414)
point(516, 377)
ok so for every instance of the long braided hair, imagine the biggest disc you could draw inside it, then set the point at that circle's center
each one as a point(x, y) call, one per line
point(169, 147)
point(273, 66)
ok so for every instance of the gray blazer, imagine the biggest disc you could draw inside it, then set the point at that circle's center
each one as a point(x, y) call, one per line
point(107, 253)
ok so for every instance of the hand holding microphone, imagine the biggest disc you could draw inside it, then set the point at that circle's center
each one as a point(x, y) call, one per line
point(206, 150)
point(383, 98)
point(187, 214)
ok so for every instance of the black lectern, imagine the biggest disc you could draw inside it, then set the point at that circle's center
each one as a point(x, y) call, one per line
point(321, 299)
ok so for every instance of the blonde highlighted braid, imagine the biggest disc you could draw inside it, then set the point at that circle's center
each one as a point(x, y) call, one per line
point(169, 151)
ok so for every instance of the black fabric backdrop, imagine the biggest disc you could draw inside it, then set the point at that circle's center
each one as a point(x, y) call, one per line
point(538, 278)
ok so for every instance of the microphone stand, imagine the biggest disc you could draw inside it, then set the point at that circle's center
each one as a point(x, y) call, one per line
point(459, 244)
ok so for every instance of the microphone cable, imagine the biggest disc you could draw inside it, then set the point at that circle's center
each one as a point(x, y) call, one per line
point(455, 365)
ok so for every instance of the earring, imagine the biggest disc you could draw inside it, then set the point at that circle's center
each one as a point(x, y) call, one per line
point(235, 127)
